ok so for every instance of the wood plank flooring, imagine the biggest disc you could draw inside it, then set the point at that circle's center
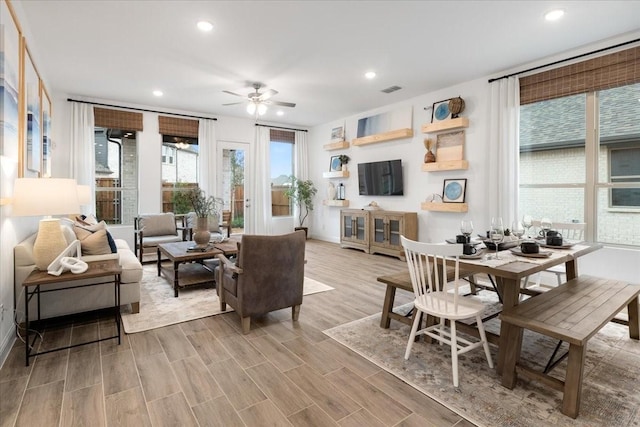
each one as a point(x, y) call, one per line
point(206, 373)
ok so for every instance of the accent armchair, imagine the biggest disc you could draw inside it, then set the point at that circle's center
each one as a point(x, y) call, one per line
point(268, 275)
point(152, 229)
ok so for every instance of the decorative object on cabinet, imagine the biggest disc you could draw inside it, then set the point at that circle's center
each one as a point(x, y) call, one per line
point(385, 127)
point(337, 134)
point(334, 164)
point(456, 106)
point(454, 190)
point(372, 206)
point(429, 156)
point(377, 231)
point(301, 193)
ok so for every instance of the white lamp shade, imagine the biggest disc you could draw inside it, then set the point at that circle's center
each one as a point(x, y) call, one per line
point(84, 195)
point(262, 108)
point(251, 108)
point(45, 196)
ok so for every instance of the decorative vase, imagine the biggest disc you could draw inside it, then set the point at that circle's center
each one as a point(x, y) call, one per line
point(202, 234)
point(331, 191)
point(429, 157)
point(344, 167)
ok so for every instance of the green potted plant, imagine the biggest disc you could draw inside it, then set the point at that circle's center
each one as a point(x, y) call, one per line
point(344, 160)
point(301, 193)
point(204, 206)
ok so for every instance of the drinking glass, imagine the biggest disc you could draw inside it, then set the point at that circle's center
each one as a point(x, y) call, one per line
point(497, 233)
point(545, 225)
point(527, 222)
point(517, 229)
point(466, 228)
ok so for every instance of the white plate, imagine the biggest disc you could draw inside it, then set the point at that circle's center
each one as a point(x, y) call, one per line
point(473, 241)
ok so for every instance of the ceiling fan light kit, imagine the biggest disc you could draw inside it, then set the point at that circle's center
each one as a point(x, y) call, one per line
point(258, 102)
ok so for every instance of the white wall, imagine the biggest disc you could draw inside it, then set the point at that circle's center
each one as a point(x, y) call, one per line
point(432, 226)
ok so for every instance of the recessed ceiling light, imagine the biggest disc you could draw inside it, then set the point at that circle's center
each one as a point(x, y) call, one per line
point(554, 15)
point(280, 113)
point(370, 74)
point(157, 93)
point(205, 26)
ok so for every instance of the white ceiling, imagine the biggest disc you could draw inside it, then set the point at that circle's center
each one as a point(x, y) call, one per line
point(314, 53)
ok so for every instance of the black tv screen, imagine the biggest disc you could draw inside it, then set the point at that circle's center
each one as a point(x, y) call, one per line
point(380, 178)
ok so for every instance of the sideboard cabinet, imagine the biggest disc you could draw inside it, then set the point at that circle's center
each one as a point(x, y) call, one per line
point(377, 231)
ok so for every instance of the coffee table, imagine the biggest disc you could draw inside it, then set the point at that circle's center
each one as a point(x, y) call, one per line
point(193, 270)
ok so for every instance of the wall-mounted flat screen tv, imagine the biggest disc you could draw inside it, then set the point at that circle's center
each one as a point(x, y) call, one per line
point(380, 178)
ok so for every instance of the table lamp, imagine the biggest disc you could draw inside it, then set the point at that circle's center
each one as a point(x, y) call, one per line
point(46, 197)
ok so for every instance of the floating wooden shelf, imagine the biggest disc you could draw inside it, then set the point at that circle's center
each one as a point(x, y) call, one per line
point(444, 207)
point(336, 174)
point(451, 124)
point(340, 203)
point(336, 145)
point(448, 165)
point(382, 137)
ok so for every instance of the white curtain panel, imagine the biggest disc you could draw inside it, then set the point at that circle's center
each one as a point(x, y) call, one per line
point(504, 150)
point(207, 156)
point(82, 152)
point(260, 216)
point(301, 163)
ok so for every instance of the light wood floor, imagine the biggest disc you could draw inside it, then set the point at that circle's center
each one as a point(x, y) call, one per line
point(205, 372)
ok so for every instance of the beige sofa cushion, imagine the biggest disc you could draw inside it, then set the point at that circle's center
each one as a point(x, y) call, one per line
point(158, 224)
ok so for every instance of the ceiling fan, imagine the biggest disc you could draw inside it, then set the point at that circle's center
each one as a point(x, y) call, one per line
point(258, 102)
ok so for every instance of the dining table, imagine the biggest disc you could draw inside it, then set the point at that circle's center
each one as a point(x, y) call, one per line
point(512, 267)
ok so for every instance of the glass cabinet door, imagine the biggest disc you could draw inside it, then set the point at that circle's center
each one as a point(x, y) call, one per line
point(360, 229)
point(394, 232)
point(378, 230)
point(348, 226)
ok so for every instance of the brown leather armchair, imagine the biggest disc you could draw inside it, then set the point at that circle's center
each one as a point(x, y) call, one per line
point(268, 275)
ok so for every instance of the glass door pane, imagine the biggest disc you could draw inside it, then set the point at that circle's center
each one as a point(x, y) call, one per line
point(231, 181)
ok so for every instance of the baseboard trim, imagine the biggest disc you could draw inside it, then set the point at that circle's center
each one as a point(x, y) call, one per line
point(7, 344)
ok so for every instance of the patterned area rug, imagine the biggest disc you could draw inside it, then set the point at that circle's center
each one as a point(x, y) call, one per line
point(609, 394)
point(158, 306)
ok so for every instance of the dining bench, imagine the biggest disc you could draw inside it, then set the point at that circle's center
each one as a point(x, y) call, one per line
point(572, 312)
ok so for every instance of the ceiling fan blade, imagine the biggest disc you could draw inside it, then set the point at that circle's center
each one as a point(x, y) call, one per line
point(234, 94)
point(283, 104)
point(268, 94)
point(233, 103)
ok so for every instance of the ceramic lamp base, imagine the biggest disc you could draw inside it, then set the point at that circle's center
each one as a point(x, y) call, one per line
point(50, 242)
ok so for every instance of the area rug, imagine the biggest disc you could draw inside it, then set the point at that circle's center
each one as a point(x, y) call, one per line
point(609, 394)
point(158, 306)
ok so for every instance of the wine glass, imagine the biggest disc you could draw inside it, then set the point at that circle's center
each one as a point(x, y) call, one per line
point(545, 225)
point(527, 222)
point(497, 233)
point(517, 229)
point(466, 228)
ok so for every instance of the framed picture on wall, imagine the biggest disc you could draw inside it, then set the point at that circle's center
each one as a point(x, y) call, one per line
point(32, 144)
point(335, 164)
point(440, 111)
point(454, 190)
point(9, 84)
point(46, 134)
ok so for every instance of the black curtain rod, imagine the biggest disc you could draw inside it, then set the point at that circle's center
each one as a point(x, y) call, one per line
point(140, 109)
point(279, 127)
point(564, 60)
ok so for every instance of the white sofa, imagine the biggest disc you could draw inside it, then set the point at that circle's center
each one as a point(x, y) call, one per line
point(88, 298)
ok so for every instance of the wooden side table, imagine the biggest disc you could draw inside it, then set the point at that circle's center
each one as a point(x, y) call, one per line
point(37, 279)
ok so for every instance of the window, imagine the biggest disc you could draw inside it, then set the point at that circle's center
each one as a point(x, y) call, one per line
point(624, 164)
point(179, 171)
point(116, 175)
point(569, 174)
point(282, 155)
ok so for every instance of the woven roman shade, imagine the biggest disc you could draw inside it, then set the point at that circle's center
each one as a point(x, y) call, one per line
point(604, 72)
point(117, 119)
point(282, 135)
point(176, 126)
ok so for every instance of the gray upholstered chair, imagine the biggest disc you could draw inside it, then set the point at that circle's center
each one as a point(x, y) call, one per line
point(268, 275)
point(153, 229)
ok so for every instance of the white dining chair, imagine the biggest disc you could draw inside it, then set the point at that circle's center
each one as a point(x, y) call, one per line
point(571, 231)
point(434, 296)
